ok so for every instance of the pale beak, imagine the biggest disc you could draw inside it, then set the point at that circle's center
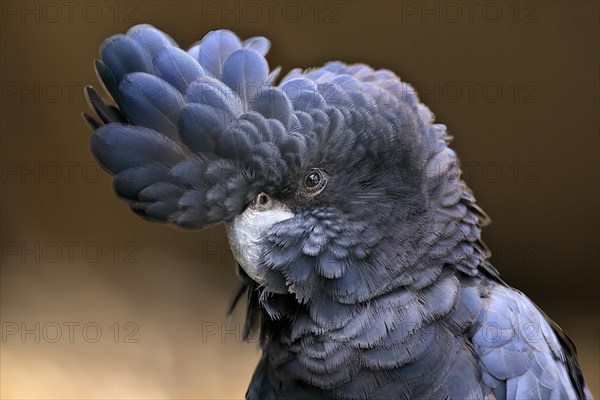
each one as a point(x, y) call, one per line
point(246, 232)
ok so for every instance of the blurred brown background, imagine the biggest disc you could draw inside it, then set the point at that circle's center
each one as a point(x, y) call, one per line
point(97, 303)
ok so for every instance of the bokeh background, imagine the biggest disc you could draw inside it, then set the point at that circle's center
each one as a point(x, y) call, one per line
point(97, 303)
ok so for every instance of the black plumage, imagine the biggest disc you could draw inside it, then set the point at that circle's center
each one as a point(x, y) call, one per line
point(358, 243)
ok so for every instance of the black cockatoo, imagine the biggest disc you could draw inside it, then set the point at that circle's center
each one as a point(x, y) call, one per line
point(356, 240)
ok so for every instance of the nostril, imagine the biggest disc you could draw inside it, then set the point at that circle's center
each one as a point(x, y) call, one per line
point(262, 199)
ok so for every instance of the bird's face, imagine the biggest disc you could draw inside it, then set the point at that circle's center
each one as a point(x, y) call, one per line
point(344, 217)
point(248, 231)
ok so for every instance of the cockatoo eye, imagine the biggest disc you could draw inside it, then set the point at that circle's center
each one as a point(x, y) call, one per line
point(314, 181)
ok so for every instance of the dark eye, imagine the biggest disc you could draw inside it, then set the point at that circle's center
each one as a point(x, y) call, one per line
point(315, 180)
